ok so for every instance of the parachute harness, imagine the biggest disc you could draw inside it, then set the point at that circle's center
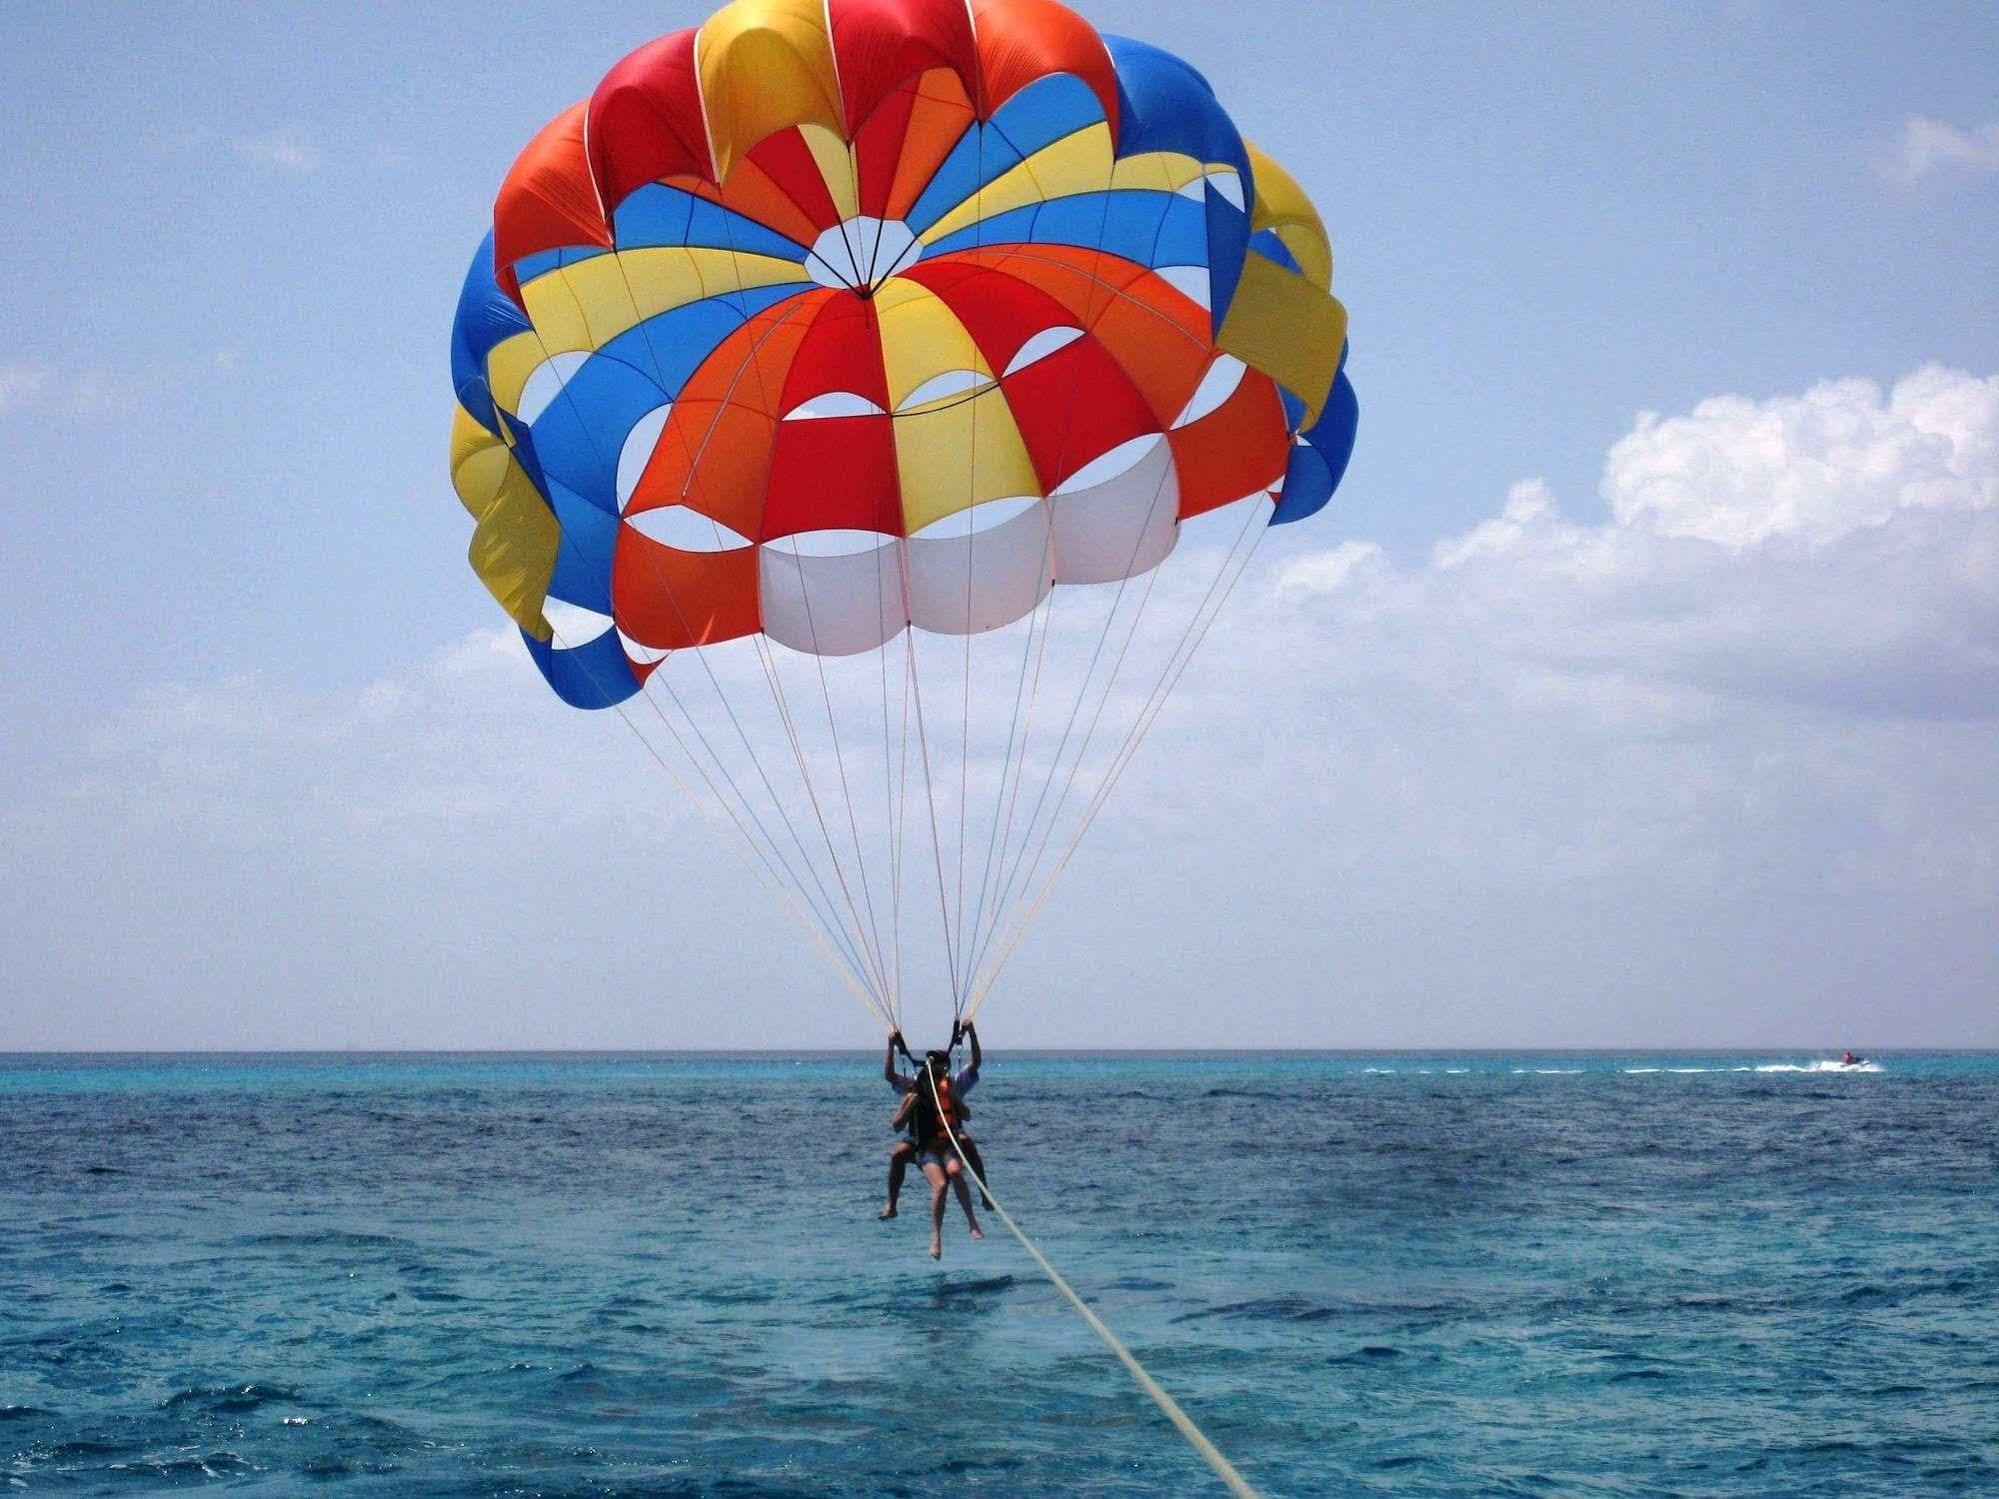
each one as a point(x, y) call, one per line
point(1184, 1423)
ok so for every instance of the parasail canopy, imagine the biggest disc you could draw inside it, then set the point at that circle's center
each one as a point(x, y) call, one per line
point(822, 358)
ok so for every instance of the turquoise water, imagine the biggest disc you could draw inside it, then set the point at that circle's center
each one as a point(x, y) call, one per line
point(663, 1275)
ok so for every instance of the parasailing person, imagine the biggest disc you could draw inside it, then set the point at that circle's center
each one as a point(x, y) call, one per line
point(934, 1114)
point(903, 1151)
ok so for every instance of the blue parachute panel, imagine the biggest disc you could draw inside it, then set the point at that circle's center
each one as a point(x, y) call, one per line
point(486, 317)
point(1317, 467)
point(596, 674)
point(582, 432)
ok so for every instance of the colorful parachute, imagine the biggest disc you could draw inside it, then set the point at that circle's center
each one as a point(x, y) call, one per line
point(834, 318)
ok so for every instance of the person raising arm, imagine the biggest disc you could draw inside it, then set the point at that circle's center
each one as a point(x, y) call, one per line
point(903, 1151)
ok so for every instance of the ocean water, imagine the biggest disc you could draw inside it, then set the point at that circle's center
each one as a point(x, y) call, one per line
point(598, 1275)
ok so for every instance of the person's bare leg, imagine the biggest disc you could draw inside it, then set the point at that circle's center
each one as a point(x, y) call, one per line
point(978, 1166)
point(898, 1163)
point(964, 1199)
point(934, 1174)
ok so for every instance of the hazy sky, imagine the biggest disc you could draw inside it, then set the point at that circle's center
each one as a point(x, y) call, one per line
point(1639, 687)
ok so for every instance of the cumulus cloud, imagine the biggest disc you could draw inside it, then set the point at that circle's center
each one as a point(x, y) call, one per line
point(1715, 766)
point(1739, 731)
point(1820, 466)
point(1927, 146)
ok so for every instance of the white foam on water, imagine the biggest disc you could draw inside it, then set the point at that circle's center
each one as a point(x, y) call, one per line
point(1801, 1067)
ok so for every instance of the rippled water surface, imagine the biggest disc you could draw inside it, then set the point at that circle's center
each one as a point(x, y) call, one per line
point(663, 1275)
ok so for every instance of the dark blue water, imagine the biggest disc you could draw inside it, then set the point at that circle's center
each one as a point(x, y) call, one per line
point(663, 1275)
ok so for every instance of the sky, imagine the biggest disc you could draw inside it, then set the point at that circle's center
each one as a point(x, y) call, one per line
point(1638, 688)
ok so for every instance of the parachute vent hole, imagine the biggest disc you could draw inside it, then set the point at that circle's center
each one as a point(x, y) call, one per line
point(988, 515)
point(1120, 460)
point(573, 624)
point(686, 530)
point(830, 543)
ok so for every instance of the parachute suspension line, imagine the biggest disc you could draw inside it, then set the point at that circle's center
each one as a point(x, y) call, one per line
point(1008, 767)
point(776, 892)
point(955, 938)
point(1032, 867)
point(853, 940)
point(894, 958)
point(856, 939)
point(988, 871)
point(898, 845)
point(767, 658)
point(1082, 695)
point(1182, 654)
point(936, 844)
point(846, 792)
point(999, 869)
point(597, 449)
point(1149, 713)
point(1178, 660)
point(965, 718)
point(771, 675)
point(1212, 1455)
point(823, 920)
point(826, 913)
point(812, 929)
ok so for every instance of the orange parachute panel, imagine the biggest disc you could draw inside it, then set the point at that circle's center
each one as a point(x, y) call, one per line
point(1023, 41)
point(1236, 450)
point(549, 200)
point(669, 599)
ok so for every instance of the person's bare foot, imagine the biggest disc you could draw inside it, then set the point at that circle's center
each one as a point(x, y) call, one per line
point(885, 1213)
point(937, 1246)
point(977, 1232)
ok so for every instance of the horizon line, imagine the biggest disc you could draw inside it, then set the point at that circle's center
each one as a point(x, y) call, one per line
point(847, 1051)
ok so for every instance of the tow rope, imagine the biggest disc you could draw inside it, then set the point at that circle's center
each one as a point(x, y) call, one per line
point(1196, 1438)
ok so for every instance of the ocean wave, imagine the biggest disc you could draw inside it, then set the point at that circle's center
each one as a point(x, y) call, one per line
point(1285, 1308)
point(1367, 1353)
point(986, 1286)
point(230, 1399)
point(325, 1238)
point(1799, 1067)
point(179, 1469)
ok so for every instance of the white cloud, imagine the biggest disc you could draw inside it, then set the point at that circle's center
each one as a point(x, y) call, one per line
point(20, 383)
point(1818, 466)
point(1793, 608)
point(282, 149)
point(1717, 766)
point(1927, 145)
